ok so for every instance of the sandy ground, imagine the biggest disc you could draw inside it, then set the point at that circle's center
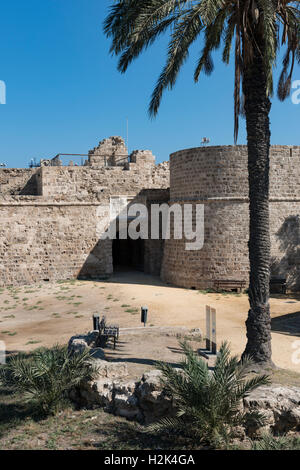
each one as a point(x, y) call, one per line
point(46, 314)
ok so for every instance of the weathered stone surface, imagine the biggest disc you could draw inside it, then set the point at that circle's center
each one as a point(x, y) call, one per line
point(195, 332)
point(144, 401)
point(153, 400)
point(78, 345)
point(147, 401)
point(96, 393)
point(280, 405)
point(216, 177)
point(111, 370)
point(14, 181)
point(125, 401)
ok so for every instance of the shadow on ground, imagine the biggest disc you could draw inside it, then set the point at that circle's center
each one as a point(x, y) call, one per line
point(287, 324)
point(14, 412)
point(129, 276)
point(128, 435)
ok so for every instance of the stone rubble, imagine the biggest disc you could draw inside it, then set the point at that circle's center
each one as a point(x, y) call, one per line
point(280, 406)
point(145, 400)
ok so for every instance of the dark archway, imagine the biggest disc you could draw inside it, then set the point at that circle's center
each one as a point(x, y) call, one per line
point(128, 254)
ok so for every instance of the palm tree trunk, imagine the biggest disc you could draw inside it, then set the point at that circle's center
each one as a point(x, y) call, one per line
point(257, 108)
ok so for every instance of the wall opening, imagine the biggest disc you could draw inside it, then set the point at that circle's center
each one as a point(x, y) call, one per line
point(128, 254)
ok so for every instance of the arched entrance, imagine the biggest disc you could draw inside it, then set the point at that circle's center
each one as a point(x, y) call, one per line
point(128, 254)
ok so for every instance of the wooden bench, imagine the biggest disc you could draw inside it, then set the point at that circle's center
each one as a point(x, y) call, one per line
point(107, 332)
point(230, 285)
point(111, 332)
point(280, 283)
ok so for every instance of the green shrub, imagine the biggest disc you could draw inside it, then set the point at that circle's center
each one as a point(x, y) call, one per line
point(208, 401)
point(270, 442)
point(47, 375)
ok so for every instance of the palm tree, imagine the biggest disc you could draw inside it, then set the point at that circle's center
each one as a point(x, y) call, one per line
point(255, 29)
point(208, 403)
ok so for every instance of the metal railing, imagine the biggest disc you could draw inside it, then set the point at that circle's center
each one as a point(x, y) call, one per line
point(57, 158)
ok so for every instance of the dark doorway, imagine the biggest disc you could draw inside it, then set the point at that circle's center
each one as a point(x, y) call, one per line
point(128, 254)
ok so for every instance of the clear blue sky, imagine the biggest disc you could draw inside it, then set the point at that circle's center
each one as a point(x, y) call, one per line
point(64, 93)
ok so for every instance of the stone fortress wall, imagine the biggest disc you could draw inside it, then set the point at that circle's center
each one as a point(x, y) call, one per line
point(217, 178)
point(49, 215)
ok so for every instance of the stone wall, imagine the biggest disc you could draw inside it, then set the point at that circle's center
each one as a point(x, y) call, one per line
point(47, 242)
point(220, 172)
point(217, 178)
point(18, 181)
point(88, 183)
point(52, 232)
point(44, 240)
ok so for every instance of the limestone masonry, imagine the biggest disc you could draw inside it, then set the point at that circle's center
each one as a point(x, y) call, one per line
point(49, 215)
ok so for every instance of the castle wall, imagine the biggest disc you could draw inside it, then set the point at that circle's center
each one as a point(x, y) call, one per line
point(217, 178)
point(17, 181)
point(49, 217)
point(55, 234)
point(87, 183)
point(48, 242)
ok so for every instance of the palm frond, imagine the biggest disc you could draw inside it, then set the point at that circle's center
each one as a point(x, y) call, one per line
point(228, 37)
point(185, 32)
point(134, 25)
point(213, 36)
point(165, 424)
point(208, 403)
point(46, 375)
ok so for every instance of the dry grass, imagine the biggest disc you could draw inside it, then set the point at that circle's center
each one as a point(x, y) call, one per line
point(22, 429)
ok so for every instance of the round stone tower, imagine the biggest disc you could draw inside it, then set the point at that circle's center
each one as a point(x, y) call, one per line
point(217, 177)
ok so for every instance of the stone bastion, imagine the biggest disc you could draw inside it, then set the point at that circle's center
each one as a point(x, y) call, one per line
point(217, 178)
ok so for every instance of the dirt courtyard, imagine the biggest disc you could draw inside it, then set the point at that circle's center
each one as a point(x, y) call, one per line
point(46, 314)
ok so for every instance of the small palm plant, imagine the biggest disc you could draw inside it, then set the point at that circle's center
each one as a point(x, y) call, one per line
point(208, 402)
point(270, 442)
point(47, 375)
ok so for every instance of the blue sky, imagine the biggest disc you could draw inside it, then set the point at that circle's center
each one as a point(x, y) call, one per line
point(64, 93)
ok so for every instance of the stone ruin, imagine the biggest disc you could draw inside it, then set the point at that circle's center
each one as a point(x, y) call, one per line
point(109, 152)
point(145, 400)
